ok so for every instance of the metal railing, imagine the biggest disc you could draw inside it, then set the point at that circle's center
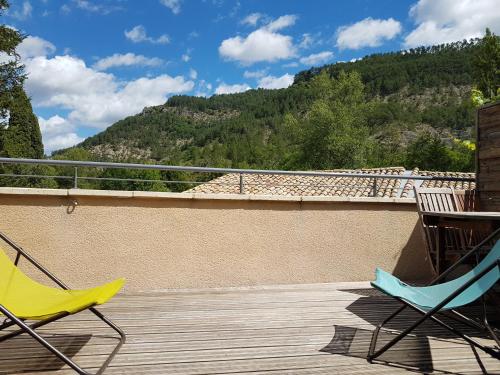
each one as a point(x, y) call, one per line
point(75, 177)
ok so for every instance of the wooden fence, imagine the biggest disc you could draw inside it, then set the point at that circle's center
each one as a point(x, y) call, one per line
point(488, 157)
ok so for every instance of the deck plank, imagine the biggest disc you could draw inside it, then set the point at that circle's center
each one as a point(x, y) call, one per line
point(292, 329)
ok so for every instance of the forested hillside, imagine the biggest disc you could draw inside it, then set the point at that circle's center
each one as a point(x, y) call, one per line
point(410, 108)
point(415, 69)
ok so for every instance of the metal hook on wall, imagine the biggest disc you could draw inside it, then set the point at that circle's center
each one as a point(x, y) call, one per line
point(72, 206)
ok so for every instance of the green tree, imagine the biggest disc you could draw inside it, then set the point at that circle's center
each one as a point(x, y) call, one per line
point(11, 72)
point(462, 155)
point(22, 137)
point(19, 130)
point(138, 180)
point(87, 175)
point(487, 66)
point(428, 152)
point(333, 133)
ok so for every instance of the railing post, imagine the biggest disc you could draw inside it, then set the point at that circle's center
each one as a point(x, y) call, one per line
point(242, 190)
point(374, 188)
point(75, 185)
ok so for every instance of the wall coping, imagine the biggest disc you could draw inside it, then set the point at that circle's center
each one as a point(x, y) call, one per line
point(196, 196)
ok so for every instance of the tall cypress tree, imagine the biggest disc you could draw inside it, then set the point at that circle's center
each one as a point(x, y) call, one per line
point(19, 130)
point(11, 72)
point(22, 137)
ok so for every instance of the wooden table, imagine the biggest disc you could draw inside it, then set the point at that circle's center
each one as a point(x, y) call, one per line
point(480, 220)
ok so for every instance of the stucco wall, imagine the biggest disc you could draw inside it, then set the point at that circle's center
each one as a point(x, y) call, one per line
point(160, 241)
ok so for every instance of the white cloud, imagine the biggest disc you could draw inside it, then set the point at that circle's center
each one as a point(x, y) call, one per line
point(316, 58)
point(54, 125)
point(282, 22)
point(127, 59)
point(252, 19)
point(292, 64)
point(87, 5)
point(138, 34)
point(260, 45)
point(442, 21)
point(185, 57)
point(173, 5)
point(307, 41)
point(33, 46)
point(367, 33)
point(22, 13)
point(204, 88)
point(193, 74)
point(60, 141)
point(255, 74)
point(58, 133)
point(65, 9)
point(272, 82)
point(95, 8)
point(224, 88)
point(263, 44)
point(94, 98)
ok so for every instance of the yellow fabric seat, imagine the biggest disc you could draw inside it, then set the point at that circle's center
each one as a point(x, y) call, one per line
point(28, 299)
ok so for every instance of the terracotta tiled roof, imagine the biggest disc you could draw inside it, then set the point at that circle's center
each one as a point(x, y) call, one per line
point(459, 185)
point(295, 185)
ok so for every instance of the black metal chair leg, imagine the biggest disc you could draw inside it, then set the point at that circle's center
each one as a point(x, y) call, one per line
point(465, 337)
point(33, 326)
point(428, 315)
point(460, 318)
point(487, 325)
point(26, 328)
point(29, 330)
point(109, 323)
point(116, 329)
point(373, 342)
point(394, 341)
point(491, 331)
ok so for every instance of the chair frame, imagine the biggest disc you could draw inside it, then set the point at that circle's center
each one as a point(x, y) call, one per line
point(485, 327)
point(12, 319)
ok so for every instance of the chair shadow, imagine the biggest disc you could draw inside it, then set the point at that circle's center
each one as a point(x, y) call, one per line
point(373, 307)
point(23, 354)
point(413, 353)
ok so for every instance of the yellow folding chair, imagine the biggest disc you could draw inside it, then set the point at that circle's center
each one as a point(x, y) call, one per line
point(22, 299)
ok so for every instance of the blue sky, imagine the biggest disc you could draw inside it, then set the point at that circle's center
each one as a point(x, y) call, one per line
point(91, 63)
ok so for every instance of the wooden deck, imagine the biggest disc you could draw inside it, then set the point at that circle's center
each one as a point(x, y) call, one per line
point(300, 329)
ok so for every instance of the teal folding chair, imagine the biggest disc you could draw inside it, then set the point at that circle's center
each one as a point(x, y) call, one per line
point(444, 297)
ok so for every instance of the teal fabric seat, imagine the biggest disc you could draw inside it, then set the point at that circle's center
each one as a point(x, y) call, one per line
point(428, 297)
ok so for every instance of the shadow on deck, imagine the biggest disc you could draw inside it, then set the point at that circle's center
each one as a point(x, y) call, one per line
point(299, 329)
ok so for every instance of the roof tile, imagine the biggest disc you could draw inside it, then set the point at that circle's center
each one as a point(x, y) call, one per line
point(340, 186)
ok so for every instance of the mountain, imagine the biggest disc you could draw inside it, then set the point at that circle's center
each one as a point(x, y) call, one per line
point(411, 92)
